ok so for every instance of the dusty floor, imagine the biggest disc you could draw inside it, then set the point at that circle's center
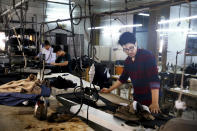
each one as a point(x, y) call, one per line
point(21, 118)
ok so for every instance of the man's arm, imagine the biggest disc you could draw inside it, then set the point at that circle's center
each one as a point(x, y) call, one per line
point(151, 73)
point(154, 107)
point(114, 86)
point(65, 63)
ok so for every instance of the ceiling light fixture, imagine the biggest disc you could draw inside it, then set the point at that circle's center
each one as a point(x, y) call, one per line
point(177, 20)
point(192, 33)
point(108, 27)
point(144, 14)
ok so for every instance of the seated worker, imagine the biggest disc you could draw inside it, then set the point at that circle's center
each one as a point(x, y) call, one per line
point(140, 66)
point(48, 52)
point(63, 60)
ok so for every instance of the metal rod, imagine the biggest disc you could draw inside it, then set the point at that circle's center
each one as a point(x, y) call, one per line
point(16, 21)
point(53, 2)
point(12, 8)
point(82, 17)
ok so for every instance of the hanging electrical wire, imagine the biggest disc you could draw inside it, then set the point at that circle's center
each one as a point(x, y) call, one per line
point(77, 5)
point(91, 48)
point(84, 24)
point(72, 28)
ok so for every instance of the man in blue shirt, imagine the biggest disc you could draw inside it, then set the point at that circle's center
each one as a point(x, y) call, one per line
point(63, 60)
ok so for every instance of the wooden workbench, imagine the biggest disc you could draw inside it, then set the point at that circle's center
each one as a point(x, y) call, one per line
point(185, 92)
point(21, 118)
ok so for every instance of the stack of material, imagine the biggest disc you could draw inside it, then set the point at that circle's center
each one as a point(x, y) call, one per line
point(193, 84)
point(133, 111)
point(61, 83)
point(16, 92)
point(29, 86)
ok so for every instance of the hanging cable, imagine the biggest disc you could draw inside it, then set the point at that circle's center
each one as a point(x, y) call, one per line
point(91, 31)
point(84, 24)
point(80, 13)
point(72, 29)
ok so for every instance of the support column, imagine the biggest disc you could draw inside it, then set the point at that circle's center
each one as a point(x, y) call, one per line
point(152, 34)
point(165, 12)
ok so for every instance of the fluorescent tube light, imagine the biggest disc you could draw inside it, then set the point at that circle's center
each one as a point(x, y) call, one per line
point(108, 27)
point(143, 14)
point(178, 19)
point(192, 33)
point(174, 30)
point(161, 46)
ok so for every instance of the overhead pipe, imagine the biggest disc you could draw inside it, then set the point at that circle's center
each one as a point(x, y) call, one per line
point(58, 20)
point(48, 1)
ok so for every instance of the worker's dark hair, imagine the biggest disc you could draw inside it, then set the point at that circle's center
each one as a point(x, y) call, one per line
point(46, 42)
point(57, 48)
point(127, 37)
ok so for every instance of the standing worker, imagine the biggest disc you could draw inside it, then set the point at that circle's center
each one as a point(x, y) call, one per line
point(140, 66)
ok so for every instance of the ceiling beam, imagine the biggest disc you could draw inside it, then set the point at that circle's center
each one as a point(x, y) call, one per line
point(146, 7)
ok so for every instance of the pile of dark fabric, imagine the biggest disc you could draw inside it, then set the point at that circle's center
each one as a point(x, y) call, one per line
point(102, 76)
point(86, 62)
point(137, 114)
point(61, 83)
point(133, 112)
point(191, 69)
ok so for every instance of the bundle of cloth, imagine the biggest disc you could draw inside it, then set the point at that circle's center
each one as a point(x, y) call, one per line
point(134, 111)
point(136, 114)
point(61, 83)
point(16, 92)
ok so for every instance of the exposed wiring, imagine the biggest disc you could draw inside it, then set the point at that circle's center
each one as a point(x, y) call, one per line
point(72, 29)
point(80, 13)
point(84, 24)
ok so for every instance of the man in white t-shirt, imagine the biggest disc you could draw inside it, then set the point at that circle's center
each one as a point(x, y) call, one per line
point(48, 52)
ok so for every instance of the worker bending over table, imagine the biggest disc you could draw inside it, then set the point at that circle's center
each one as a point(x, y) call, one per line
point(140, 66)
point(62, 61)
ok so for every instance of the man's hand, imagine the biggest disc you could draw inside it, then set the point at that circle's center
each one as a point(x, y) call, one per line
point(53, 63)
point(105, 90)
point(154, 108)
point(36, 57)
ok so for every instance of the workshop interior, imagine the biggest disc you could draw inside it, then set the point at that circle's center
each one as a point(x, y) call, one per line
point(61, 60)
